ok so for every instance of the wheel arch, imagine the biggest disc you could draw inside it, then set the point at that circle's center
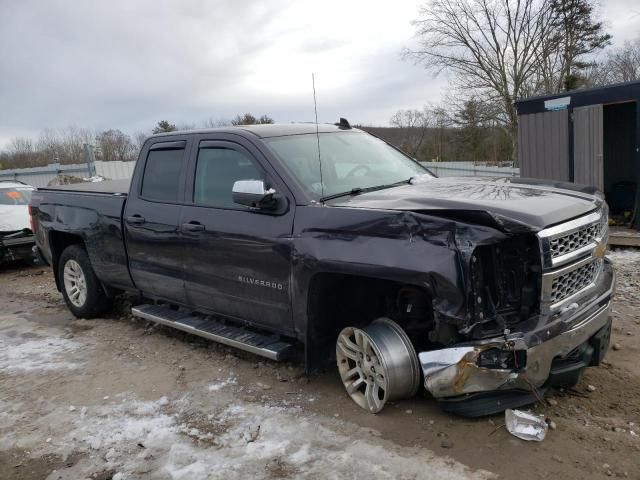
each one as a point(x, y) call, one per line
point(58, 242)
point(336, 300)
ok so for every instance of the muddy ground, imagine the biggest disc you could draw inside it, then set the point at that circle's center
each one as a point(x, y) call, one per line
point(122, 398)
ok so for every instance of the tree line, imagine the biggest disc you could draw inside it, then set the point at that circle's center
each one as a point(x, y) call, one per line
point(67, 145)
point(496, 52)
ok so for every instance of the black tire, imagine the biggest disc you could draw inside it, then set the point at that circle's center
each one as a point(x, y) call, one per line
point(96, 301)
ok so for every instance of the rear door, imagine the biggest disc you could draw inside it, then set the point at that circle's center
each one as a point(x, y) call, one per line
point(152, 219)
point(238, 261)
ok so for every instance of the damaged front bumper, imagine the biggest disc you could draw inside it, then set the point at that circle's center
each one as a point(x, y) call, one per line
point(16, 246)
point(522, 361)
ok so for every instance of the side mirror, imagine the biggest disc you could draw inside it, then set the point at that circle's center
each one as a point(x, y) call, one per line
point(253, 194)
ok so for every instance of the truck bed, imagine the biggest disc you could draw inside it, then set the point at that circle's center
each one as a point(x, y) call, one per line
point(108, 187)
point(91, 212)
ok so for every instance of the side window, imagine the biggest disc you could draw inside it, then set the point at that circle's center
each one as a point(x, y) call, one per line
point(216, 171)
point(161, 180)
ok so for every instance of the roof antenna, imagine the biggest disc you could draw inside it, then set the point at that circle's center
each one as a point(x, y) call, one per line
point(315, 107)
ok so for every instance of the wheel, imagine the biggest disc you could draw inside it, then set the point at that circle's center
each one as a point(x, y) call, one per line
point(81, 289)
point(377, 363)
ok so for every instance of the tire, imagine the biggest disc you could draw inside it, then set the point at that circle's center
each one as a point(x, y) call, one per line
point(81, 289)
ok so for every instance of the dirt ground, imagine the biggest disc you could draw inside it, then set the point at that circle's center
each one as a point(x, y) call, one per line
point(119, 398)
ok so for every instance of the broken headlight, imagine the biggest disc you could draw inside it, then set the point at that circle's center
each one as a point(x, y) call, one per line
point(495, 358)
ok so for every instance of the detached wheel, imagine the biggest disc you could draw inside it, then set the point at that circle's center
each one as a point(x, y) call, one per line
point(377, 363)
point(81, 289)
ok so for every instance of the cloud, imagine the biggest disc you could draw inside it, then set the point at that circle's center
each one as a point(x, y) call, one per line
point(129, 64)
point(123, 64)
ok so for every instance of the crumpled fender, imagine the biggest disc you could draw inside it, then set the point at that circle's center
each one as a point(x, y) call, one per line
point(417, 248)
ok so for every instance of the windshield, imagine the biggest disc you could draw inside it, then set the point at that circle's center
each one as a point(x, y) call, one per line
point(15, 196)
point(350, 160)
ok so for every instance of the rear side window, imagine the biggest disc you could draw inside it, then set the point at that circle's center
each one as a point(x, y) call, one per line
point(217, 170)
point(15, 196)
point(161, 179)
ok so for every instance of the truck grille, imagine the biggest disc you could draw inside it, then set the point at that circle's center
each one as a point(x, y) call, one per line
point(570, 283)
point(571, 258)
point(571, 242)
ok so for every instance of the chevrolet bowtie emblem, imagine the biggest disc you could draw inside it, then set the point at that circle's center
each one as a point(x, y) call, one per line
point(601, 249)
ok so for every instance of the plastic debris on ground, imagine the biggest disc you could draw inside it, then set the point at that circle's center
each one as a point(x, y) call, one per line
point(526, 426)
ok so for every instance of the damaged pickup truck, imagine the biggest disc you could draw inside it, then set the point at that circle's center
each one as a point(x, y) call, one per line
point(485, 291)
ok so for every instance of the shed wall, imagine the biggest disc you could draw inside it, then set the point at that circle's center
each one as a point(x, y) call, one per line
point(543, 145)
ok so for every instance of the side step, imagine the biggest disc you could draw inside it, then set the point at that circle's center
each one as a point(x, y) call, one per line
point(267, 346)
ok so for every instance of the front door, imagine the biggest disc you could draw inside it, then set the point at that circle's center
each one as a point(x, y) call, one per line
point(151, 221)
point(238, 261)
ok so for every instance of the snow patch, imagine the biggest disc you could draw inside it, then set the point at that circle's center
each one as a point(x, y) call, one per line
point(43, 354)
point(624, 257)
point(245, 441)
point(214, 387)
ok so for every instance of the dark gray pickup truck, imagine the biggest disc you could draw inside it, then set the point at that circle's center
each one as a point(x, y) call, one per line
point(486, 291)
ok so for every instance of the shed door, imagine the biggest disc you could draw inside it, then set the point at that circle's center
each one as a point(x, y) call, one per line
point(588, 146)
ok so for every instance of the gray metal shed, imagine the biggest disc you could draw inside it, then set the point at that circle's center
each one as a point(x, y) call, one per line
point(586, 136)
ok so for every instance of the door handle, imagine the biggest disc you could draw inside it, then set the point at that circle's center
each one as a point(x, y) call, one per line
point(135, 219)
point(192, 227)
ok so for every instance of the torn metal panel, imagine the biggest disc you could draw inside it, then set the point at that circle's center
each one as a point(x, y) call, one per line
point(455, 371)
point(527, 355)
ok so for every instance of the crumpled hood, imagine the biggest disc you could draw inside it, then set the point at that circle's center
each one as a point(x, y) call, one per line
point(14, 217)
point(530, 203)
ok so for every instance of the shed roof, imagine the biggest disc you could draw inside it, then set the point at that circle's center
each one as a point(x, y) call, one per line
point(618, 92)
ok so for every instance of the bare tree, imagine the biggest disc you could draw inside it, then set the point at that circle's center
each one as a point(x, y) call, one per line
point(65, 145)
point(623, 64)
point(413, 125)
point(115, 145)
point(491, 47)
point(216, 123)
point(22, 152)
point(139, 139)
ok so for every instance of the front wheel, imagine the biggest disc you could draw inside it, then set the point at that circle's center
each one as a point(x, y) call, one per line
point(81, 288)
point(377, 363)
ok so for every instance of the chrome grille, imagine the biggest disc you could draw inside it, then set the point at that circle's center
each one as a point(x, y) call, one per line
point(572, 258)
point(571, 242)
point(570, 283)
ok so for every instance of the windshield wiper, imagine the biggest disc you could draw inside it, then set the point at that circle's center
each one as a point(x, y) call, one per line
point(358, 191)
point(353, 191)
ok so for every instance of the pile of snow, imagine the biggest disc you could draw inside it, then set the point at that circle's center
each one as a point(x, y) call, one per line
point(242, 440)
point(18, 355)
point(95, 178)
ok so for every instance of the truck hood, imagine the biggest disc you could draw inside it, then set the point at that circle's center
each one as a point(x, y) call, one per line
point(528, 203)
point(14, 218)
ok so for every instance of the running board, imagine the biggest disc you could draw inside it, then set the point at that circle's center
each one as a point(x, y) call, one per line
point(267, 346)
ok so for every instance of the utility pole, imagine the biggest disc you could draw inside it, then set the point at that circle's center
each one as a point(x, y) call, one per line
point(90, 158)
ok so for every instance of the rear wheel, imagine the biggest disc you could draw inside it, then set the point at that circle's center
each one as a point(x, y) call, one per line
point(81, 288)
point(377, 363)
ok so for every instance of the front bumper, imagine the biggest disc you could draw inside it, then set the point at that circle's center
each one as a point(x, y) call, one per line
point(455, 372)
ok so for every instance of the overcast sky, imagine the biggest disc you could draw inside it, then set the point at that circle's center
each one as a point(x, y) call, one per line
point(127, 64)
